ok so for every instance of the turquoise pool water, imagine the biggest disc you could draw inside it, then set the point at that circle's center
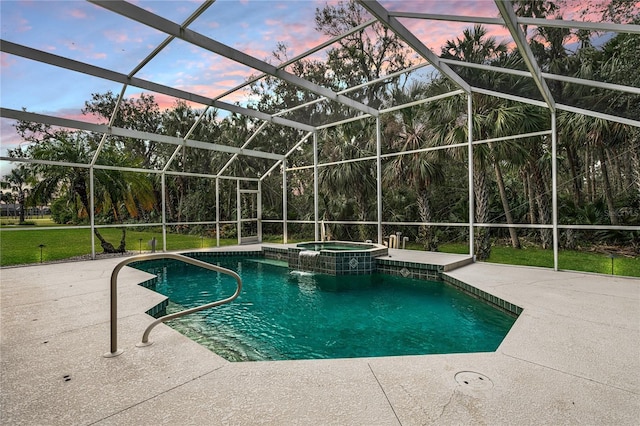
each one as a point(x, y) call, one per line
point(283, 314)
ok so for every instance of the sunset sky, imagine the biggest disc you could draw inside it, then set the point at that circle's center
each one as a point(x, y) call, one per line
point(91, 34)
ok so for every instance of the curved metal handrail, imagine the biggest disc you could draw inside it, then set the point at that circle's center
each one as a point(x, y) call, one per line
point(114, 351)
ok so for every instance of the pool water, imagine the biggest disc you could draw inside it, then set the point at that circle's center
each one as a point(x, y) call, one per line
point(283, 314)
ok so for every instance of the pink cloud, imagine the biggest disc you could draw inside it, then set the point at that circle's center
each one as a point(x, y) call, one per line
point(116, 36)
point(74, 114)
point(78, 14)
point(10, 138)
point(214, 89)
point(22, 25)
point(6, 61)
point(165, 102)
point(244, 73)
point(435, 34)
point(450, 7)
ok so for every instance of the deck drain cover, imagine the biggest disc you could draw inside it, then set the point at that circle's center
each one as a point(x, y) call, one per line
point(473, 380)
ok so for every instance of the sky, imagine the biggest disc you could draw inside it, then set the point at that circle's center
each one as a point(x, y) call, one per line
point(88, 33)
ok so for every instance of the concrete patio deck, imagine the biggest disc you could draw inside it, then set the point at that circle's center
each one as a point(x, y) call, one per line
point(572, 357)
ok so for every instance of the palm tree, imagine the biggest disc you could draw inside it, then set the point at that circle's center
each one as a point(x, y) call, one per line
point(598, 135)
point(18, 182)
point(474, 46)
point(354, 180)
point(118, 195)
point(407, 131)
point(491, 118)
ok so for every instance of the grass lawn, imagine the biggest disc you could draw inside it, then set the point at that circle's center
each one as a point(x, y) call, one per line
point(570, 260)
point(22, 247)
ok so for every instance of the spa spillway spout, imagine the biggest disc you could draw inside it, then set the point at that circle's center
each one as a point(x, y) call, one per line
point(309, 253)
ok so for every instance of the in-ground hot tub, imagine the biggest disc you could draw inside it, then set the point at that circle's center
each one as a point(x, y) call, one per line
point(336, 257)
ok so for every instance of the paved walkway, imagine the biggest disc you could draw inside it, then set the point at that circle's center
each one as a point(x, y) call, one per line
point(573, 357)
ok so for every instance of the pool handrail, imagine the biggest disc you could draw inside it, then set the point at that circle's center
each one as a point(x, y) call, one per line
point(114, 351)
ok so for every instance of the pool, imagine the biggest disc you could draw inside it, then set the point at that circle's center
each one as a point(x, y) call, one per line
point(284, 315)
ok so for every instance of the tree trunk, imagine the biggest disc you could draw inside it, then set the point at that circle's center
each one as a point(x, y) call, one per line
point(615, 172)
point(362, 216)
point(530, 196)
point(635, 162)
point(591, 176)
point(613, 217)
point(513, 233)
point(544, 216)
point(123, 241)
point(167, 206)
point(107, 247)
point(80, 188)
point(21, 203)
point(576, 179)
point(425, 232)
point(483, 236)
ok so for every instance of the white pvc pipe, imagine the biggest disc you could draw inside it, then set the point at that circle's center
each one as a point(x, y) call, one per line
point(554, 185)
point(217, 212)
point(379, 177)
point(259, 207)
point(238, 212)
point(164, 213)
point(315, 186)
point(470, 166)
point(92, 215)
point(284, 201)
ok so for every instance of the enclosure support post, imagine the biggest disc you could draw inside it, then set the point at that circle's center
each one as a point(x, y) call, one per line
point(315, 186)
point(238, 211)
point(164, 212)
point(554, 188)
point(92, 214)
point(379, 177)
point(285, 235)
point(259, 211)
point(217, 212)
point(470, 167)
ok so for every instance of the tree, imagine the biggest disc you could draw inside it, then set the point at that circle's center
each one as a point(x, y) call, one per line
point(19, 181)
point(354, 180)
point(141, 114)
point(118, 195)
point(491, 118)
point(408, 131)
point(363, 56)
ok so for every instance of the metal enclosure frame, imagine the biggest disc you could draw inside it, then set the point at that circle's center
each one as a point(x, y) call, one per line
point(309, 133)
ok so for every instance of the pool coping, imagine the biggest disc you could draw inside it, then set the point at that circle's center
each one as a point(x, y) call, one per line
point(571, 357)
